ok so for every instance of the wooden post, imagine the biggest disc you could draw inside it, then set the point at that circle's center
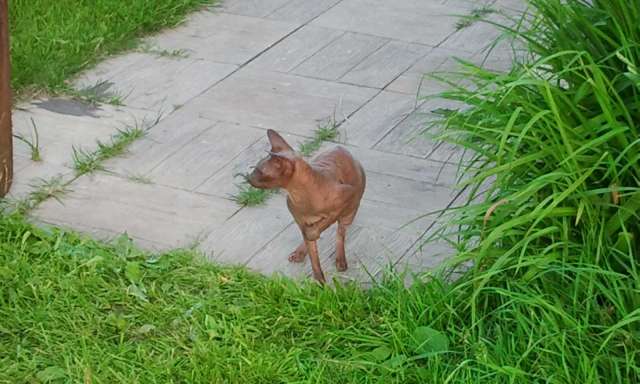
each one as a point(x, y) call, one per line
point(6, 138)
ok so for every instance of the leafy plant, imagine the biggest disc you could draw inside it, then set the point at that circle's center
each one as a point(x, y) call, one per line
point(551, 222)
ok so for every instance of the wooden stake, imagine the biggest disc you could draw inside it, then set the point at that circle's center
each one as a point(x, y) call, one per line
point(6, 139)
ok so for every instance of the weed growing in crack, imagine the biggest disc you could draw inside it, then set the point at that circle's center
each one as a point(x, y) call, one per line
point(98, 93)
point(87, 162)
point(33, 143)
point(174, 53)
point(325, 132)
point(43, 189)
point(140, 179)
point(475, 15)
point(249, 196)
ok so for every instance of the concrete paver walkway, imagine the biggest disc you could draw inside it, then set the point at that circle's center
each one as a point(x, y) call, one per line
point(216, 84)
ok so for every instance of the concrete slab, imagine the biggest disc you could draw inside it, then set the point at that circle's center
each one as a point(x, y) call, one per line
point(224, 182)
point(239, 237)
point(258, 65)
point(222, 38)
point(477, 36)
point(414, 135)
point(106, 70)
point(407, 137)
point(59, 131)
point(296, 48)
point(161, 141)
point(421, 196)
point(167, 216)
point(272, 258)
point(377, 214)
point(205, 155)
point(376, 118)
point(339, 57)
point(163, 84)
point(368, 251)
point(414, 80)
point(385, 65)
point(283, 102)
point(29, 175)
point(425, 22)
point(302, 11)
point(256, 8)
point(403, 166)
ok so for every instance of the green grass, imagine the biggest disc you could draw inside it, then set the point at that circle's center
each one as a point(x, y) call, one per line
point(325, 132)
point(41, 190)
point(90, 161)
point(97, 94)
point(249, 196)
point(79, 310)
point(52, 41)
point(140, 179)
point(175, 53)
point(33, 143)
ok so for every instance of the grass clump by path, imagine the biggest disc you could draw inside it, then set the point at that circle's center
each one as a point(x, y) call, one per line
point(325, 132)
point(87, 162)
point(250, 196)
point(476, 15)
point(54, 40)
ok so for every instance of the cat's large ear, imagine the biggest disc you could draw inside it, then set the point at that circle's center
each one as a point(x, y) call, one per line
point(278, 144)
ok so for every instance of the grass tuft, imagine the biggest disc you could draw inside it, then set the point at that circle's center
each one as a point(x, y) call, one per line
point(175, 53)
point(90, 161)
point(98, 93)
point(33, 143)
point(476, 15)
point(249, 196)
point(140, 179)
point(325, 132)
point(41, 190)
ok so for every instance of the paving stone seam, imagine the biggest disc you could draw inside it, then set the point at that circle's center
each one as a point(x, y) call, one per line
point(227, 163)
point(308, 21)
point(387, 42)
point(432, 225)
point(292, 223)
point(176, 150)
point(394, 127)
point(292, 70)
